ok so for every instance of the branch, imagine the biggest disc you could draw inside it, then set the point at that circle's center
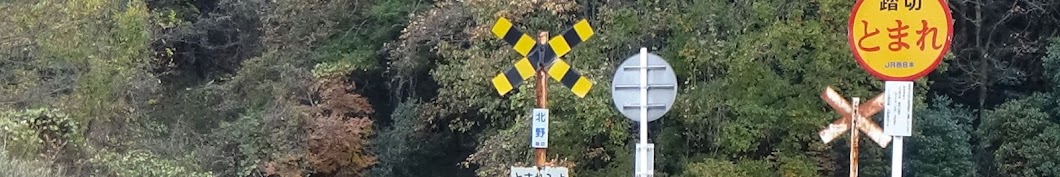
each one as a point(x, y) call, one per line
point(957, 9)
point(993, 29)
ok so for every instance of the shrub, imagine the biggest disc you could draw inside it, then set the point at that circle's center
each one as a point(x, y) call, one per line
point(35, 132)
point(141, 163)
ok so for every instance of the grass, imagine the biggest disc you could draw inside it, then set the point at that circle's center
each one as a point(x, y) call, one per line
point(15, 167)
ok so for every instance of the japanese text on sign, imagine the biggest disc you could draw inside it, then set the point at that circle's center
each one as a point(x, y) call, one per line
point(539, 128)
point(534, 172)
point(892, 5)
point(898, 32)
point(898, 108)
point(900, 39)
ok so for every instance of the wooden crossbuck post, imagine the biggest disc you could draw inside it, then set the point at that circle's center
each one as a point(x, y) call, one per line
point(854, 141)
point(853, 115)
point(542, 100)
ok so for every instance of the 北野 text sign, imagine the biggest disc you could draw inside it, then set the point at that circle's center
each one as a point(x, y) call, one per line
point(900, 40)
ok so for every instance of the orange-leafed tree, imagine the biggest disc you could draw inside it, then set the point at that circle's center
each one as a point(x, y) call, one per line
point(339, 128)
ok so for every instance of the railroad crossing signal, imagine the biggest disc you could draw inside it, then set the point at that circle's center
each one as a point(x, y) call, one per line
point(536, 56)
point(853, 116)
point(867, 109)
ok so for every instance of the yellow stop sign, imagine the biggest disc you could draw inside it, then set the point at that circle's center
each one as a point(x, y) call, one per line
point(900, 40)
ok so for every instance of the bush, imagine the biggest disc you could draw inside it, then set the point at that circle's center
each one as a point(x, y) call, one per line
point(714, 167)
point(140, 163)
point(35, 132)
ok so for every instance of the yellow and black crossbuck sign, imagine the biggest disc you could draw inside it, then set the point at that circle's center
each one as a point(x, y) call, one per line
point(536, 55)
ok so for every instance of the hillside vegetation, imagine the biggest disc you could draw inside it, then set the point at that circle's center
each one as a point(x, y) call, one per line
point(401, 88)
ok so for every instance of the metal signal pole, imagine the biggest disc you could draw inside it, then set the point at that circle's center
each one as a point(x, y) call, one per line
point(643, 154)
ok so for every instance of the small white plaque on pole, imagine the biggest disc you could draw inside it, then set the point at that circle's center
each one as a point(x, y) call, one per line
point(649, 153)
point(898, 108)
point(543, 172)
point(539, 128)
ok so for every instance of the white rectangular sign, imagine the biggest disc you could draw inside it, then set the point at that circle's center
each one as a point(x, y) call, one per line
point(898, 108)
point(544, 172)
point(539, 128)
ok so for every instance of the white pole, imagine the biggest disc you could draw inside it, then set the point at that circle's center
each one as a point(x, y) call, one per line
point(896, 157)
point(643, 168)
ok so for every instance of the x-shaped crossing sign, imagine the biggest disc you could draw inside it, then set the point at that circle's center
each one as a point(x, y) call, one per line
point(846, 111)
point(536, 56)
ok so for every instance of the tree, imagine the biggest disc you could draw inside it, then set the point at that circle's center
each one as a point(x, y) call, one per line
point(199, 40)
point(1051, 64)
point(396, 146)
point(996, 47)
point(1020, 137)
point(941, 145)
point(753, 72)
point(339, 127)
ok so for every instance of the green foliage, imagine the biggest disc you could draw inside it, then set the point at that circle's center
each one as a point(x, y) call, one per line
point(1021, 135)
point(363, 33)
point(785, 166)
point(714, 167)
point(139, 163)
point(85, 58)
point(250, 135)
point(752, 75)
point(255, 137)
point(941, 146)
point(16, 130)
point(35, 132)
point(509, 150)
point(396, 146)
point(403, 150)
point(603, 163)
point(790, 166)
point(332, 69)
point(1051, 63)
point(95, 49)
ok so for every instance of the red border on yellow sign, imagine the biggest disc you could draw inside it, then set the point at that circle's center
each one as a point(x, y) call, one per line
point(934, 64)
